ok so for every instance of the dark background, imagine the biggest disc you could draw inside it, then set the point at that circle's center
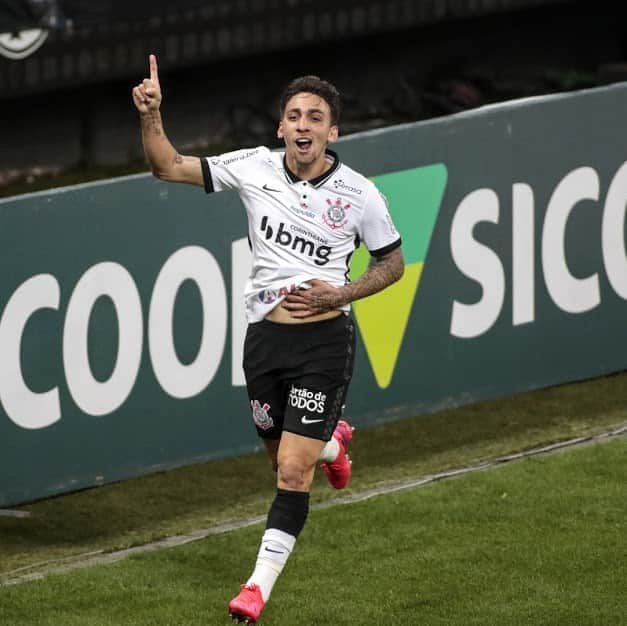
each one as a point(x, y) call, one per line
point(66, 114)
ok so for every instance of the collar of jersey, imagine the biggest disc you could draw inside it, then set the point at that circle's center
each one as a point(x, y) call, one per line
point(319, 180)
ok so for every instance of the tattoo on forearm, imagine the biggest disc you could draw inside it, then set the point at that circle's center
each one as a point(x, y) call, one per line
point(155, 127)
point(325, 302)
point(152, 124)
point(377, 277)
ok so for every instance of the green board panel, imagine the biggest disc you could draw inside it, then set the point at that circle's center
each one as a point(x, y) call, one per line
point(121, 316)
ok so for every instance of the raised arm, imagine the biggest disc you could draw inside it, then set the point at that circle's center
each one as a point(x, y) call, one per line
point(322, 297)
point(165, 162)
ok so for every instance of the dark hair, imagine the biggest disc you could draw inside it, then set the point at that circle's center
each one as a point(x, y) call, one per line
point(317, 86)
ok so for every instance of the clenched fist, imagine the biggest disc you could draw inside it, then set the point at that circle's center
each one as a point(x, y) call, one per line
point(147, 95)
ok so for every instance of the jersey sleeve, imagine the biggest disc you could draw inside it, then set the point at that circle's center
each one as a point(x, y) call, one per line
point(378, 231)
point(229, 170)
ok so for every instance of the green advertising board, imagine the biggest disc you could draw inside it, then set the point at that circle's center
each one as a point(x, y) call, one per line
point(121, 309)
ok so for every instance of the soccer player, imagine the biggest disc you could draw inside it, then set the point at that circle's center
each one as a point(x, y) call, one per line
point(307, 213)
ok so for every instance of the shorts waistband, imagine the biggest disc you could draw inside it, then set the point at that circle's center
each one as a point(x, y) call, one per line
point(279, 327)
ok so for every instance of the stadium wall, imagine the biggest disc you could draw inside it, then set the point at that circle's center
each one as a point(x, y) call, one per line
point(122, 320)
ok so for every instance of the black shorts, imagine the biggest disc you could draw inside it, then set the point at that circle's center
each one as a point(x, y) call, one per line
point(297, 375)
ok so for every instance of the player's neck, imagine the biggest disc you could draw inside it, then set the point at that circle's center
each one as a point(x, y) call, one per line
point(309, 171)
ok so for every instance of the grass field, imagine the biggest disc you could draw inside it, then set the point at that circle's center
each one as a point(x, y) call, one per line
point(538, 542)
point(541, 541)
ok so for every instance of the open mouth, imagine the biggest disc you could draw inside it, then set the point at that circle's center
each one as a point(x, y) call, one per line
point(303, 144)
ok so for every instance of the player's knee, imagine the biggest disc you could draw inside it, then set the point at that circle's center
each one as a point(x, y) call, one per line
point(294, 473)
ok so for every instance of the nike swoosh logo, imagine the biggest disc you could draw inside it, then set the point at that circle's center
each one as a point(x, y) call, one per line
point(305, 420)
point(271, 189)
point(275, 551)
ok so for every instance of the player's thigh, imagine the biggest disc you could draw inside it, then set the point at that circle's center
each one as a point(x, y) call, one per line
point(316, 396)
point(305, 449)
point(264, 384)
point(297, 459)
point(267, 404)
point(314, 406)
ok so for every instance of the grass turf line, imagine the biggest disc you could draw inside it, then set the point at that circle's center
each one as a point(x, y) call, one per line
point(537, 542)
point(181, 501)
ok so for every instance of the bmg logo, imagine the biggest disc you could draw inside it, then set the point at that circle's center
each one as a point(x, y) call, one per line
point(302, 245)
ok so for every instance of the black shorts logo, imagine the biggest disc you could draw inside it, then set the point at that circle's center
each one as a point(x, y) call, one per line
point(303, 398)
point(260, 415)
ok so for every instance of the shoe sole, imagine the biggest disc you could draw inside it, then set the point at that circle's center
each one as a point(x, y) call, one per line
point(238, 618)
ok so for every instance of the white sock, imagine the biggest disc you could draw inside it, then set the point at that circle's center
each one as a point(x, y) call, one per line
point(330, 451)
point(276, 547)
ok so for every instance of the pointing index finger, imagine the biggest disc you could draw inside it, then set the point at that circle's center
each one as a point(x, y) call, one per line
point(154, 72)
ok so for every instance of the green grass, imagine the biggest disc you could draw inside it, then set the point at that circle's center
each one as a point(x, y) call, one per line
point(149, 508)
point(541, 541)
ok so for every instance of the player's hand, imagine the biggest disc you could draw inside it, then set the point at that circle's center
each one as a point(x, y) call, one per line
point(147, 95)
point(319, 298)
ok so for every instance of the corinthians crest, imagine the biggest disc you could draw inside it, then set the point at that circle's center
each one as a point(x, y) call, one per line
point(335, 216)
point(260, 415)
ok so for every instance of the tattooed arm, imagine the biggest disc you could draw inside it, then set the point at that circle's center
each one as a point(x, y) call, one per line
point(322, 297)
point(166, 163)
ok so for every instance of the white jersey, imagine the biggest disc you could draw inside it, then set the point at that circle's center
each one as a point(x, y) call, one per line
point(300, 230)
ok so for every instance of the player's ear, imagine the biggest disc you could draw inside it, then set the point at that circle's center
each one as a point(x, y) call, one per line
point(334, 131)
point(279, 132)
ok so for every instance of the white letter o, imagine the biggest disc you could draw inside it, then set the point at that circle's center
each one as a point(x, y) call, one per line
point(91, 396)
point(177, 379)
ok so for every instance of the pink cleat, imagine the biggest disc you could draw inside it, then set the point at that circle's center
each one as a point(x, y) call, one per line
point(247, 605)
point(339, 471)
